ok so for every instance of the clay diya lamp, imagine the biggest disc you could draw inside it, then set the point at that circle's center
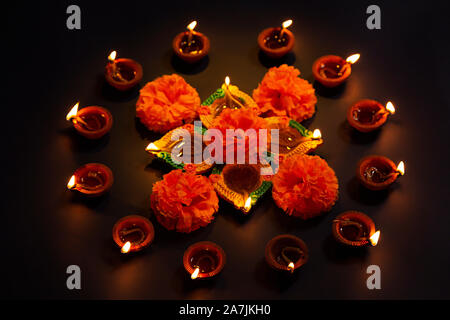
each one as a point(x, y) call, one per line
point(355, 229)
point(293, 138)
point(92, 122)
point(191, 46)
point(286, 253)
point(92, 179)
point(228, 96)
point(123, 74)
point(368, 115)
point(164, 147)
point(204, 260)
point(241, 185)
point(133, 233)
point(378, 172)
point(276, 42)
point(332, 70)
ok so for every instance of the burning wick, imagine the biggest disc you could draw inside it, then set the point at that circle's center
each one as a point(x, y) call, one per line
point(115, 71)
point(389, 109)
point(289, 262)
point(349, 61)
point(399, 171)
point(374, 238)
point(126, 247)
point(317, 134)
point(72, 185)
point(191, 26)
point(291, 266)
point(194, 274)
point(248, 204)
point(285, 25)
point(229, 99)
point(72, 116)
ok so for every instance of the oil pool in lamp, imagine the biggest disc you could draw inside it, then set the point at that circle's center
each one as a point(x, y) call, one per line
point(203, 260)
point(276, 42)
point(332, 70)
point(123, 74)
point(286, 253)
point(378, 172)
point(368, 115)
point(92, 179)
point(92, 122)
point(133, 233)
point(190, 45)
point(355, 229)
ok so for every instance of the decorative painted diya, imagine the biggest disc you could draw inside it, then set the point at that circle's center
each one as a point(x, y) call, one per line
point(241, 184)
point(293, 137)
point(378, 172)
point(368, 115)
point(276, 42)
point(133, 233)
point(286, 253)
point(163, 148)
point(122, 74)
point(204, 260)
point(191, 46)
point(355, 229)
point(92, 179)
point(332, 70)
point(228, 96)
point(92, 122)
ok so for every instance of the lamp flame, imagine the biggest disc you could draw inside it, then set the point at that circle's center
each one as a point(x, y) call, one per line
point(194, 274)
point(71, 183)
point(317, 134)
point(191, 26)
point(291, 266)
point(248, 204)
point(126, 247)
point(401, 168)
point(151, 147)
point(390, 107)
point(112, 56)
point(353, 58)
point(73, 112)
point(287, 24)
point(227, 81)
point(374, 238)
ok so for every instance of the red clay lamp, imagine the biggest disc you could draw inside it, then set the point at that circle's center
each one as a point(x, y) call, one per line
point(190, 45)
point(133, 233)
point(378, 172)
point(92, 179)
point(204, 259)
point(123, 74)
point(92, 122)
point(333, 70)
point(276, 42)
point(355, 229)
point(286, 253)
point(368, 115)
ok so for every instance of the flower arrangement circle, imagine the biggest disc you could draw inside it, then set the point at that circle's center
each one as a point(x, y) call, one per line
point(244, 119)
point(305, 186)
point(184, 201)
point(166, 103)
point(283, 93)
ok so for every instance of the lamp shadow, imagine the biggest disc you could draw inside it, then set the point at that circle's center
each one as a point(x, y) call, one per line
point(184, 67)
point(98, 203)
point(333, 93)
point(78, 143)
point(184, 285)
point(268, 62)
point(273, 280)
point(113, 257)
point(145, 133)
point(363, 195)
point(110, 93)
point(351, 135)
point(342, 254)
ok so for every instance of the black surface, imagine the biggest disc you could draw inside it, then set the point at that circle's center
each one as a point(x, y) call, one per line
point(46, 228)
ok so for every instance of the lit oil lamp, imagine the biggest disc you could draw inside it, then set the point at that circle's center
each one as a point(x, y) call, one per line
point(191, 46)
point(378, 172)
point(123, 74)
point(276, 42)
point(332, 70)
point(92, 122)
point(286, 253)
point(368, 115)
point(133, 233)
point(93, 179)
point(204, 260)
point(355, 229)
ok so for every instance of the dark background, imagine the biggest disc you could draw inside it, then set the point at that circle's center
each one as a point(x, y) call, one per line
point(47, 228)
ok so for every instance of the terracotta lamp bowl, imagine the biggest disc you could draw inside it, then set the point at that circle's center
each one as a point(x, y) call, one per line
point(130, 71)
point(376, 172)
point(367, 115)
point(286, 247)
point(97, 122)
point(271, 47)
point(93, 179)
point(353, 228)
point(135, 229)
point(207, 256)
point(327, 70)
point(201, 49)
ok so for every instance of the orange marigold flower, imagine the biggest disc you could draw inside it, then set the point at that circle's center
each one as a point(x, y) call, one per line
point(184, 201)
point(305, 186)
point(283, 93)
point(167, 103)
